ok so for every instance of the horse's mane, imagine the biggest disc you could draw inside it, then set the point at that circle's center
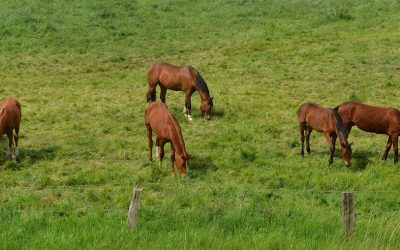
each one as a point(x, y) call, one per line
point(178, 130)
point(339, 124)
point(200, 82)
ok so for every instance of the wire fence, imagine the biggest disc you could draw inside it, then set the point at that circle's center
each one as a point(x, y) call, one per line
point(149, 188)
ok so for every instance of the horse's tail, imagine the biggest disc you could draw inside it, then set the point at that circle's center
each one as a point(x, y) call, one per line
point(336, 108)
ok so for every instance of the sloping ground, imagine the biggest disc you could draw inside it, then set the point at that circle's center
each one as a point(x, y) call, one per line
point(79, 70)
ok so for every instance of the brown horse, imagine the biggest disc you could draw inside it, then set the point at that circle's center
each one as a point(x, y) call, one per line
point(327, 121)
point(186, 79)
point(10, 118)
point(373, 119)
point(167, 129)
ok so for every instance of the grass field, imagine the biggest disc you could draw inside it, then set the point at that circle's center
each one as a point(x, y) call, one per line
point(79, 70)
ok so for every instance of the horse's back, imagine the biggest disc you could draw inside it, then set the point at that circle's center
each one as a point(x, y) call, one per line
point(306, 109)
point(170, 76)
point(159, 118)
point(319, 118)
point(11, 110)
point(370, 118)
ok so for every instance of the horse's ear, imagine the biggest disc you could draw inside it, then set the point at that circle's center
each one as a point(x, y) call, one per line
point(188, 156)
point(212, 97)
point(351, 143)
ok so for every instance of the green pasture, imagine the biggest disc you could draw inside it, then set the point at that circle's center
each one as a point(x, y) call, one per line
point(79, 70)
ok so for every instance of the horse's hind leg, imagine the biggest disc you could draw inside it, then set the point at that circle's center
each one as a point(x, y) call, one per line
point(308, 133)
point(302, 127)
point(9, 151)
point(163, 93)
point(16, 137)
point(395, 147)
point(10, 144)
point(151, 92)
point(388, 146)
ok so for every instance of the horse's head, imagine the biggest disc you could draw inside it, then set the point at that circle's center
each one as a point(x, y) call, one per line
point(206, 107)
point(182, 163)
point(346, 153)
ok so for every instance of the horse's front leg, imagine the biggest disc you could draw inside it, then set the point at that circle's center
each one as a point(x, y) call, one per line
point(172, 159)
point(158, 148)
point(329, 139)
point(162, 153)
point(150, 141)
point(188, 105)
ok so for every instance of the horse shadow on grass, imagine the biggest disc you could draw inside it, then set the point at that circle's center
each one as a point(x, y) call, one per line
point(200, 165)
point(360, 160)
point(27, 157)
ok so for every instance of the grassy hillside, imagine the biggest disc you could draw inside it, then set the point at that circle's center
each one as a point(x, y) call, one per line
point(79, 70)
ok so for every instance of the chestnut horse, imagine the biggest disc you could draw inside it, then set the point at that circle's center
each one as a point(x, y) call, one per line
point(186, 79)
point(373, 119)
point(10, 118)
point(167, 129)
point(327, 121)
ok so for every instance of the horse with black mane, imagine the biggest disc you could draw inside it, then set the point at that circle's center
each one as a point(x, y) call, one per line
point(327, 121)
point(176, 78)
point(10, 118)
point(167, 129)
point(374, 119)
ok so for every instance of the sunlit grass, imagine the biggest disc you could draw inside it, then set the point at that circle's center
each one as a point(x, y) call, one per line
point(79, 70)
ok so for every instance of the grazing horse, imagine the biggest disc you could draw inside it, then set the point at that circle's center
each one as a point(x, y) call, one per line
point(186, 79)
point(373, 119)
point(10, 118)
point(327, 121)
point(167, 129)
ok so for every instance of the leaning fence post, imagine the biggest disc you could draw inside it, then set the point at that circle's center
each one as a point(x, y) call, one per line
point(348, 213)
point(133, 207)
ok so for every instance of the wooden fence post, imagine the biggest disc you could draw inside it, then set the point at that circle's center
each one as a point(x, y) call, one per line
point(133, 207)
point(348, 213)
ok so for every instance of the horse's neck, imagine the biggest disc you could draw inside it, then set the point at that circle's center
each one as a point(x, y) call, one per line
point(178, 143)
point(341, 136)
point(203, 96)
point(179, 146)
point(177, 139)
